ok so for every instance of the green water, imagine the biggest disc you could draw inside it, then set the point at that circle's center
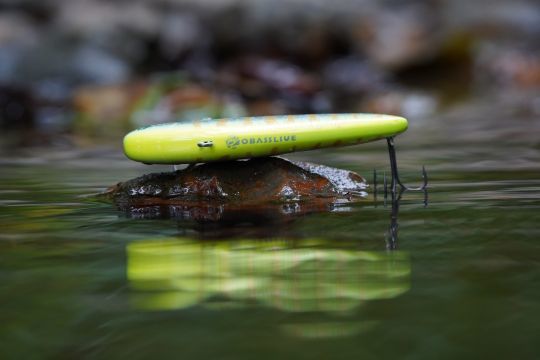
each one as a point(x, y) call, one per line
point(461, 278)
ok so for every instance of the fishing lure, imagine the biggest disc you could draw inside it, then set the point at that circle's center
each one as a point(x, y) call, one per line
point(223, 139)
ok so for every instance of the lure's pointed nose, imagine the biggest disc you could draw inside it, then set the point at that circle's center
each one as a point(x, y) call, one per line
point(390, 125)
point(399, 123)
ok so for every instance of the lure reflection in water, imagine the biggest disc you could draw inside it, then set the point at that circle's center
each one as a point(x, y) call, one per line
point(301, 276)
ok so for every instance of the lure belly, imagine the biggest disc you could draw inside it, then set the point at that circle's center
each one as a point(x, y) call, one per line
point(241, 138)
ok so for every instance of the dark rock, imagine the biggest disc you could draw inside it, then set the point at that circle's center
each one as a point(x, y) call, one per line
point(214, 191)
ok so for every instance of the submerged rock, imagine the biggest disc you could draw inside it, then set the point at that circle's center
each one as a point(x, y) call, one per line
point(211, 191)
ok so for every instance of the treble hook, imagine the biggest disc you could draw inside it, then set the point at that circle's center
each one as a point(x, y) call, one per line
point(395, 174)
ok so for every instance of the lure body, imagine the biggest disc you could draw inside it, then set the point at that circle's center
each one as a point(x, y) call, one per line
point(241, 138)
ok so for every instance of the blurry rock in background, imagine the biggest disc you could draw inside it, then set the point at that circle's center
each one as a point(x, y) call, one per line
point(396, 37)
point(508, 66)
point(409, 104)
point(93, 69)
point(105, 109)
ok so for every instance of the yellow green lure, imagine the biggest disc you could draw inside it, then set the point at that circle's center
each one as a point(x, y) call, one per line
point(247, 137)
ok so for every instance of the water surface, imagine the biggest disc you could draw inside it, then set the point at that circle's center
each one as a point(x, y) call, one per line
point(458, 278)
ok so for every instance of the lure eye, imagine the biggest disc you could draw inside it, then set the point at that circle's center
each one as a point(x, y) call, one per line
point(205, 143)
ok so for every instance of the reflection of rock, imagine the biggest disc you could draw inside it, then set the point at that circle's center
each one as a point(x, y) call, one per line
point(211, 191)
point(311, 275)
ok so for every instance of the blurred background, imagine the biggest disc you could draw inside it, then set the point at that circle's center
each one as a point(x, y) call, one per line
point(86, 279)
point(81, 72)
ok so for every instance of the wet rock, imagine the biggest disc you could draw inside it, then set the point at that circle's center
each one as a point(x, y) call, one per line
point(213, 191)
